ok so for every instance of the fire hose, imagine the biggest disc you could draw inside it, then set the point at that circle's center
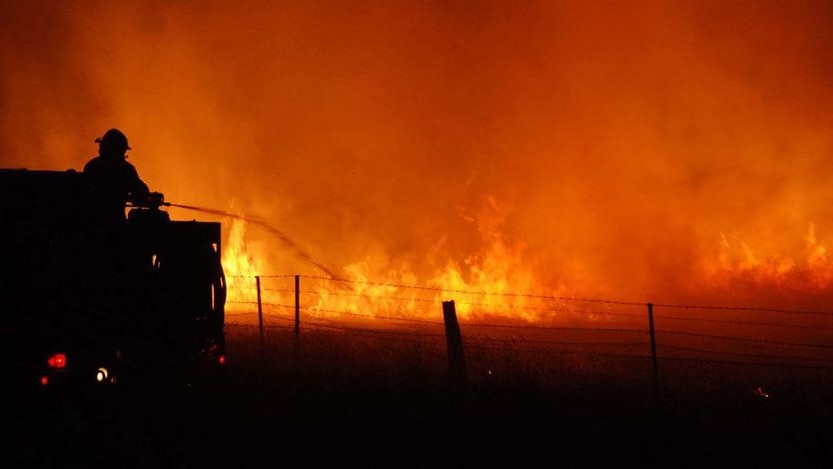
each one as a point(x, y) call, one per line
point(157, 199)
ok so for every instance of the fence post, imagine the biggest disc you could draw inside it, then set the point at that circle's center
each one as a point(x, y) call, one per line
point(297, 307)
point(456, 359)
point(259, 309)
point(297, 344)
point(653, 349)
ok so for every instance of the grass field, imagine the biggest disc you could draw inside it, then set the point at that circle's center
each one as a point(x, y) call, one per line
point(362, 401)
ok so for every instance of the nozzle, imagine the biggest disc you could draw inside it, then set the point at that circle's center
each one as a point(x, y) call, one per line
point(153, 201)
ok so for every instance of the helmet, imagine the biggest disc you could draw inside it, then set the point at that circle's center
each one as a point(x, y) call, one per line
point(113, 138)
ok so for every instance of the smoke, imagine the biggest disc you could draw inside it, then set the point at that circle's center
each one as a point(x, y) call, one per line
point(619, 147)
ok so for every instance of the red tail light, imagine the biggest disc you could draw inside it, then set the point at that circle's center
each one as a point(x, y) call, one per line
point(221, 359)
point(58, 360)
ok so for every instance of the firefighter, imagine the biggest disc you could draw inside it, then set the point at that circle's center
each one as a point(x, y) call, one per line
point(108, 245)
point(113, 180)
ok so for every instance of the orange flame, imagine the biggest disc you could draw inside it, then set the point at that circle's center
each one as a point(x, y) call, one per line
point(612, 145)
point(805, 269)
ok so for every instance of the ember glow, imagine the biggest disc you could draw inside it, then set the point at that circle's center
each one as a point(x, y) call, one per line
point(642, 151)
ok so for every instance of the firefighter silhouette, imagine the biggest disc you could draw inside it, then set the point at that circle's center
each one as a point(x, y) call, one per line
point(110, 258)
point(113, 181)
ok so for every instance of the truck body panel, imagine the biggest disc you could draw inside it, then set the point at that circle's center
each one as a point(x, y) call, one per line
point(81, 297)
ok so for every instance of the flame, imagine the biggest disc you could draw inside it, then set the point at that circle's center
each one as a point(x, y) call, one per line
point(241, 266)
point(495, 282)
point(485, 153)
point(500, 272)
point(805, 269)
point(498, 281)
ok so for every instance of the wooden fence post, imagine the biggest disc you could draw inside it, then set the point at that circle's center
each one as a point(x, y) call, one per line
point(456, 360)
point(653, 350)
point(259, 313)
point(297, 343)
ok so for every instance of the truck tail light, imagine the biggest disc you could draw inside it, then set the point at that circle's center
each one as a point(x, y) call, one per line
point(57, 361)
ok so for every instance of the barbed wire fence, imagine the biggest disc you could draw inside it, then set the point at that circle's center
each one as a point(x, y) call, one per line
point(475, 338)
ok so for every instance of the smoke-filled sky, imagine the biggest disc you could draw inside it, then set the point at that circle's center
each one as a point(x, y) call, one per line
point(637, 150)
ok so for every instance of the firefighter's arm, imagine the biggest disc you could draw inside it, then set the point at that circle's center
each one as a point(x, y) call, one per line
point(148, 200)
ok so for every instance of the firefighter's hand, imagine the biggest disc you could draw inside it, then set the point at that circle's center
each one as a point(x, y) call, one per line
point(155, 199)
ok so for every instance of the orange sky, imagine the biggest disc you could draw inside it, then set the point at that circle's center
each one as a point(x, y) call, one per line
point(663, 151)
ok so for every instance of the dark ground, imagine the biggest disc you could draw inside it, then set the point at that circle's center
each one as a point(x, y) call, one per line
point(245, 417)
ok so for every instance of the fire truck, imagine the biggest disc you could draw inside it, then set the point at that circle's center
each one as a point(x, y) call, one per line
point(91, 304)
